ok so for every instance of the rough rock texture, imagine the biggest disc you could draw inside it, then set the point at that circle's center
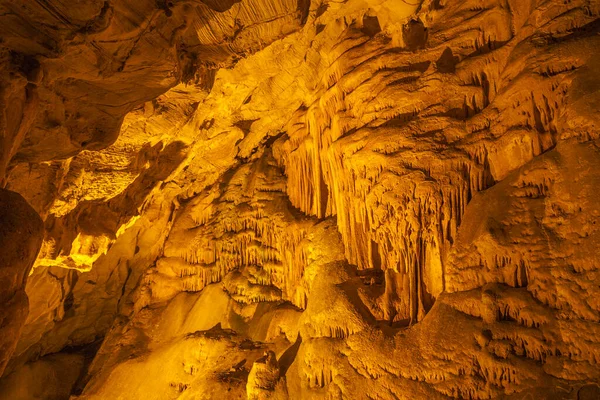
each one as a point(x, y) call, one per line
point(359, 199)
point(71, 73)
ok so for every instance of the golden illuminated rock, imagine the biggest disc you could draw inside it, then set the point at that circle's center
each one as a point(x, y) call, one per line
point(306, 199)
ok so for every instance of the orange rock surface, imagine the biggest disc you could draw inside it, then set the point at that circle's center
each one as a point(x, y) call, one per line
point(294, 199)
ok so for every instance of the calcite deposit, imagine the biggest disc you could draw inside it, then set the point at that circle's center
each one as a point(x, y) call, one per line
point(300, 199)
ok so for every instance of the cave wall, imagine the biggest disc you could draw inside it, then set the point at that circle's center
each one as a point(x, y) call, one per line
point(365, 199)
point(21, 235)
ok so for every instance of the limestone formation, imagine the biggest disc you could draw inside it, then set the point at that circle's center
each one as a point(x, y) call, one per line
point(296, 199)
point(21, 233)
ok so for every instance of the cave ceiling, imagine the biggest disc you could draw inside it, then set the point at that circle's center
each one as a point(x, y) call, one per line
point(296, 199)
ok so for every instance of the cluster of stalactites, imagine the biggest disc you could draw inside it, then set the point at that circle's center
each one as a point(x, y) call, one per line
point(263, 251)
point(370, 152)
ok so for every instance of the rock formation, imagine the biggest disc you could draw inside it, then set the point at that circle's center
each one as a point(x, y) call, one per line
point(293, 199)
point(21, 234)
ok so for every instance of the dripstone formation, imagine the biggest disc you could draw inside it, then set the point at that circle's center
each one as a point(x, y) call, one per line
point(296, 199)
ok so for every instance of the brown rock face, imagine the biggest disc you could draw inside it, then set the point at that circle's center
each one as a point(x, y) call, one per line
point(71, 73)
point(305, 200)
point(21, 233)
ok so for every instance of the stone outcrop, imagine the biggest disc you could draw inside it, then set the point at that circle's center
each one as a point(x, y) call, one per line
point(71, 74)
point(21, 233)
point(357, 199)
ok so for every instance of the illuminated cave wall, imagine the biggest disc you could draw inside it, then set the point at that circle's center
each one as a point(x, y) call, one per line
point(286, 199)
